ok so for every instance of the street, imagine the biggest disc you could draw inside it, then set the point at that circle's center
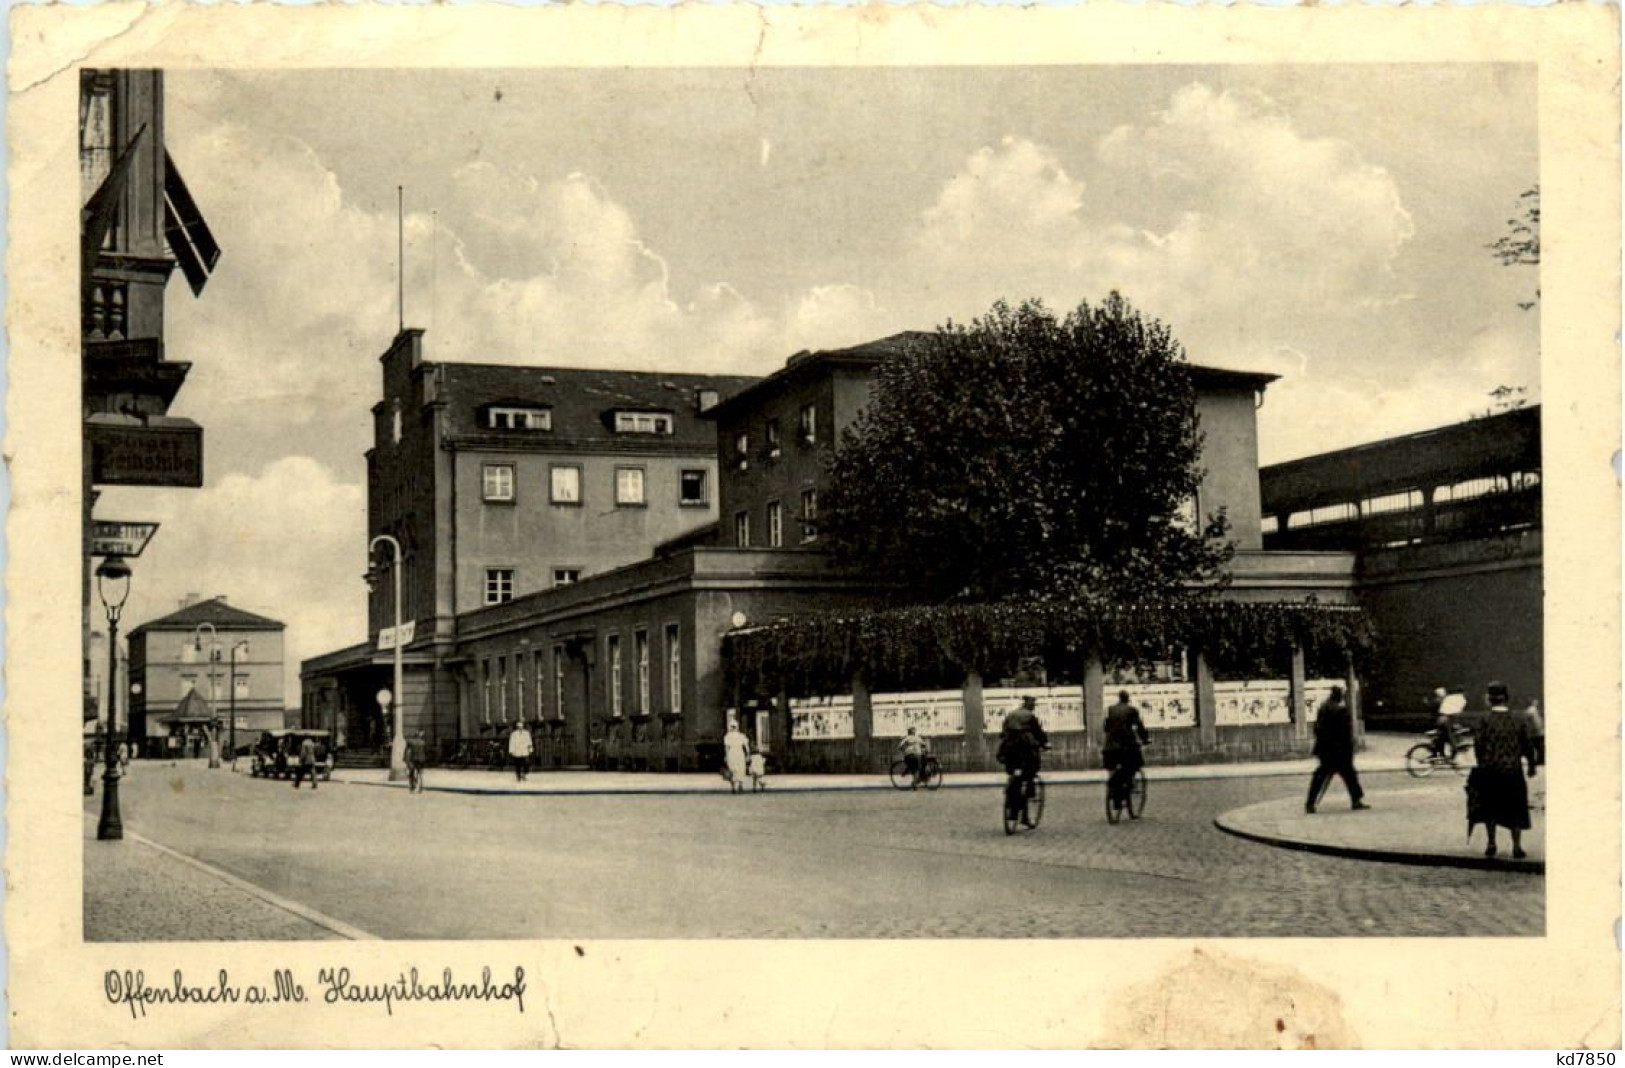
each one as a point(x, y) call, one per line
point(855, 864)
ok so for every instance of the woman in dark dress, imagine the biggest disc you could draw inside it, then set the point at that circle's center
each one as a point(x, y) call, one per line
point(1497, 795)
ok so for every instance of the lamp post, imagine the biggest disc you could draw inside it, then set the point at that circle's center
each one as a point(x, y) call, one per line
point(232, 682)
point(214, 658)
point(113, 587)
point(397, 743)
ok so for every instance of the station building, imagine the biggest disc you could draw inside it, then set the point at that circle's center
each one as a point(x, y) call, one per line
point(624, 664)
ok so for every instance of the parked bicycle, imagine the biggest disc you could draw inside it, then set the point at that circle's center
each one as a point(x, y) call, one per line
point(929, 774)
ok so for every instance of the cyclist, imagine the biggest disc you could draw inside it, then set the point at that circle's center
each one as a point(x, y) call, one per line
point(1021, 743)
point(415, 757)
point(1125, 733)
point(914, 749)
point(1448, 728)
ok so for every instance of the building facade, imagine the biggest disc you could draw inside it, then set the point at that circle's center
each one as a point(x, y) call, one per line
point(499, 482)
point(627, 668)
point(230, 659)
point(138, 223)
point(1446, 525)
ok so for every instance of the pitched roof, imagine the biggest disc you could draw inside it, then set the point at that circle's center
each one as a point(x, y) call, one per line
point(583, 400)
point(194, 706)
point(214, 611)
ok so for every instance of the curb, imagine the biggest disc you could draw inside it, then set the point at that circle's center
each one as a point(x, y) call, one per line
point(1389, 856)
point(1170, 773)
point(304, 912)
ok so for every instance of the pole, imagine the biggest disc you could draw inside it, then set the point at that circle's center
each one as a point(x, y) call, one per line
point(397, 744)
point(214, 663)
point(111, 826)
point(400, 255)
point(232, 682)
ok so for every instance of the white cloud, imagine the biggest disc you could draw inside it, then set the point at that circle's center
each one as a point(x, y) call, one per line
point(287, 542)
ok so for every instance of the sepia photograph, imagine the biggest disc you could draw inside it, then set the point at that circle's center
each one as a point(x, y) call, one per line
point(649, 504)
point(745, 528)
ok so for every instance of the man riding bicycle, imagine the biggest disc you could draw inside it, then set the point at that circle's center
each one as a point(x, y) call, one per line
point(1448, 729)
point(1021, 743)
point(1125, 733)
point(914, 749)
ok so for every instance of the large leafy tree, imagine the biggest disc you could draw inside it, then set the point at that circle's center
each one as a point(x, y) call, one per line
point(1027, 455)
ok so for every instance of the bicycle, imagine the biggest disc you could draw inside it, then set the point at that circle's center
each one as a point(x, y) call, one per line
point(1134, 802)
point(1422, 759)
point(929, 775)
point(1023, 808)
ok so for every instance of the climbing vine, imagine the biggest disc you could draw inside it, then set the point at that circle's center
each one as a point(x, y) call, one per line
point(820, 653)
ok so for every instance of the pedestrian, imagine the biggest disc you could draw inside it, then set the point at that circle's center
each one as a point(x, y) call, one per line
point(758, 769)
point(123, 757)
point(1537, 730)
point(736, 755)
point(90, 767)
point(1334, 748)
point(415, 755)
point(307, 763)
point(1497, 795)
point(520, 747)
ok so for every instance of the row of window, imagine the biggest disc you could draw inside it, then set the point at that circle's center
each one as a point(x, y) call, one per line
point(1407, 500)
point(191, 654)
point(775, 522)
point(806, 434)
point(564, 485)
point(521, 686)
point(499, 582)
point(498, 417)
point(240, 687)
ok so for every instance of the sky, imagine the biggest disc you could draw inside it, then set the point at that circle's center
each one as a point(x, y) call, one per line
point(1324, 223)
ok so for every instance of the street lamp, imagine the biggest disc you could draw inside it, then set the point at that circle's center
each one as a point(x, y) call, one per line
point(214, 658)
point(113, 587)
point(397, 744)
point(233, 684)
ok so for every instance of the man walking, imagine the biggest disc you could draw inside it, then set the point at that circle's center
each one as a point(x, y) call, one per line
point(1334, 747)
point(415, 757)
point(519, 748)
point(307, 762)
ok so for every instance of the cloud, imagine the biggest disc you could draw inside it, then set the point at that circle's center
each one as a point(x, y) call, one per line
point(1216, 215)
point(287, 542)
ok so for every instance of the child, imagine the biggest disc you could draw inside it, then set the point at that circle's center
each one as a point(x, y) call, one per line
point(758, 770)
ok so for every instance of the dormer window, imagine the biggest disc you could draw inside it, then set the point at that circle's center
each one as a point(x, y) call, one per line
point(517, 418)
point(643, 423)
point(706, 399)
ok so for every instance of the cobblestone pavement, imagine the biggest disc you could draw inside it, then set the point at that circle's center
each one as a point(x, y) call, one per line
point(135, 893)
point(851, 865)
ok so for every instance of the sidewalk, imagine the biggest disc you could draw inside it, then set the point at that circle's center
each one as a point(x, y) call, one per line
point(1420, 825)
point(1384, 752)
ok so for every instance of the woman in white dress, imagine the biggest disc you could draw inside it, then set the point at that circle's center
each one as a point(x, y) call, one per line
point(736, 754)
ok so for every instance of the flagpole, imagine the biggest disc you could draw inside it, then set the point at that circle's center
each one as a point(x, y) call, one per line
point(400, 253)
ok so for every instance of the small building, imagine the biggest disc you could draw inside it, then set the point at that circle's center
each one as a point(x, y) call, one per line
point(1446, 526)
point(208, 659)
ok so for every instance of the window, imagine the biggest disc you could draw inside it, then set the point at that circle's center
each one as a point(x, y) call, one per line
point(707, 397)
point(519, 418)
point(772, 439)
point(809, 514)
point(395, 424)
point(541, 683)
point(558, 681)
point(189, 653)
point(674, 669)
point(640, 648)
point(188, 684)
point(498, 585)
point(642, 423)
point(239, 687)
point(742, 529)
point(691, 488)
point(565, 483)
point(242, 644)
point(566, 576)
point(775, 524)
point(519, 687)
point(628, 487)
point(614, 659)
point(497, 482)
point(485, 691)
point(742, 450)
point(809, 424)
point(1269, 525)
point(502, 689)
